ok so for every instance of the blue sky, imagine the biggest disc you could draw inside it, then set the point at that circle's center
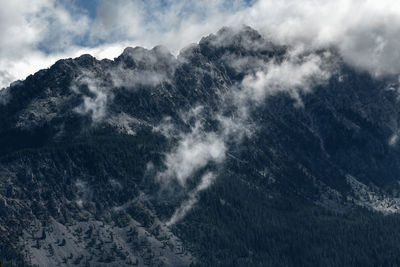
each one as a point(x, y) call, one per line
point(89, 6)
point(36, 33)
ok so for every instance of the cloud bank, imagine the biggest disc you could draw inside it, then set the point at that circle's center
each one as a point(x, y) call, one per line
point(35, 33)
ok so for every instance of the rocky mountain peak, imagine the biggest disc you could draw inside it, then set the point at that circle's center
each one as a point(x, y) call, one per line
point(143, 58)
point(211, 158)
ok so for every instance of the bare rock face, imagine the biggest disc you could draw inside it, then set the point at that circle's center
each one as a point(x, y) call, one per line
point(236, 152)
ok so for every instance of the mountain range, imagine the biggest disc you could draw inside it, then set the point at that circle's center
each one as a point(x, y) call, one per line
point(236, 152)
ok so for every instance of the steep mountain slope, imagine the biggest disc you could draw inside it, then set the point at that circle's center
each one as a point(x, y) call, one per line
point(237, 152)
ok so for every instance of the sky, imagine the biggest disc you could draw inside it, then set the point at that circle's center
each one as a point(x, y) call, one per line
point(36, 33)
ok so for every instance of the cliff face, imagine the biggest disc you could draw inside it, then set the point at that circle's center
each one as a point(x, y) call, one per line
point(236, 152)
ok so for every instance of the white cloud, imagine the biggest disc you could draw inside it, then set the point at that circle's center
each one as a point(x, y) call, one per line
point(156, 64)
point(195, 150)
point(4, 96)
point(83, 192)
point(206, 181)
point(95, 104)
point(296, 74)
point(394, 139)
point(119, 18)
point(366, 31)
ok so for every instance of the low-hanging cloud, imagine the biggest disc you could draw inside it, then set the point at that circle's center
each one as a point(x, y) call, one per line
point(94, 104)
point(4, 96)
point(98, 90)
point(206, 181)
point(295, 75)
point(194, 151)
point(83, 192)
point(127, 78)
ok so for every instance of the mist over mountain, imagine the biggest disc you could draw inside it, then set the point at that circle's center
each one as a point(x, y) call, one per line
point(236, 152)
